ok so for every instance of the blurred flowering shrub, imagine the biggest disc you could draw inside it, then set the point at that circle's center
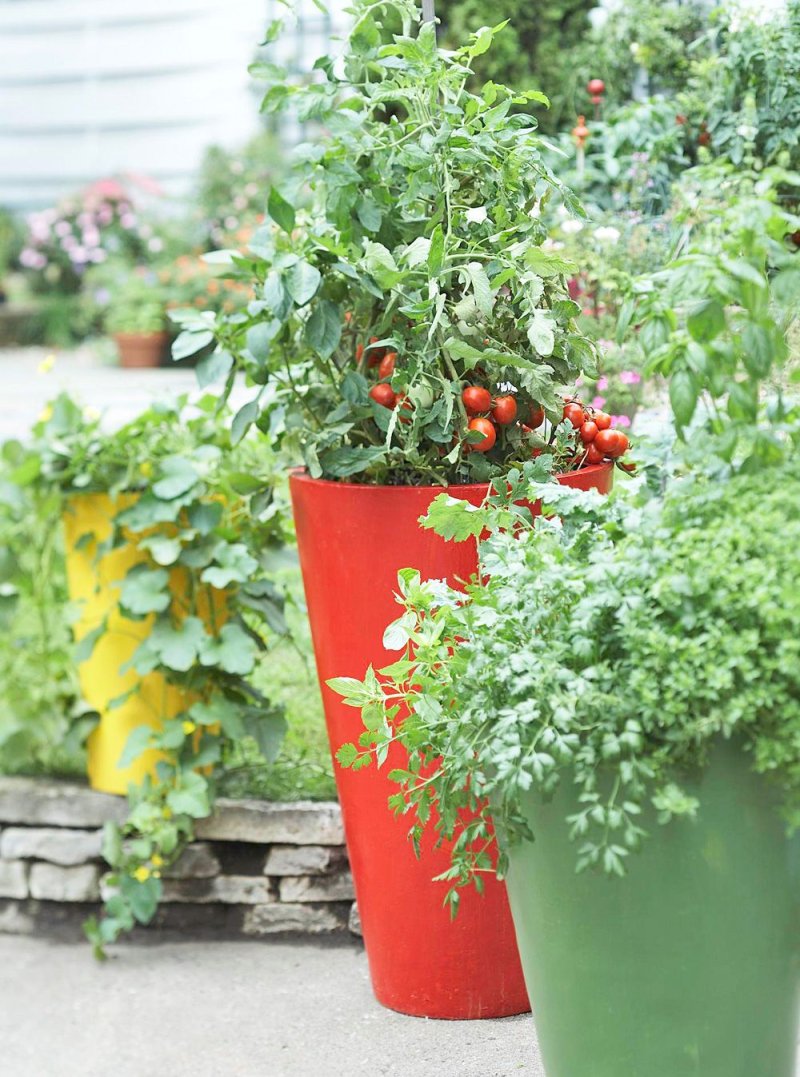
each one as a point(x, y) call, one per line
point(62, 242)
point(232, 190)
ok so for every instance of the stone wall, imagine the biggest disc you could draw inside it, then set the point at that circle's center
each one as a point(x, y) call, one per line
point(257, 869)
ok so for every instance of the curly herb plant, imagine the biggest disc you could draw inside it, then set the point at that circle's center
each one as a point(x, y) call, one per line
point(205, 520)
point(606, 648)
point(405, 262)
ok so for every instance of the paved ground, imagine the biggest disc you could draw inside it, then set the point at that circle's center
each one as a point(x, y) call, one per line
point(239, 1009)
point(83, 373)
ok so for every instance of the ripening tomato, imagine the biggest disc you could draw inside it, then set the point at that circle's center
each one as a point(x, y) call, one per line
point(375, 354)
point(386, 368)
point(504, 410)
point(594, 455)
point(383, 394)
point(574, 414)
point(359, 352)
point(476, 399)
point(485, 427)
point(588, 431)
point(537, 417)
point(612, 443)
point(602, 420)
point(405, 405)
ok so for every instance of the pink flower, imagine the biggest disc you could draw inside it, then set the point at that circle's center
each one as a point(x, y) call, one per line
point(598, 401)
point(620, 420)
point(602, 383)
point(630, 377)
point(605, 345)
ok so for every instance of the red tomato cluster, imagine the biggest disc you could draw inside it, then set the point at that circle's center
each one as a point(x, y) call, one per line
point(385, 361)
point(595, 441)
point(487, 411)
point(598, 442)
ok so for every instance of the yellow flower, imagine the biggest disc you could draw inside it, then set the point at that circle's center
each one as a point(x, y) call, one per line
point(46, 414)
point(189, 728)
point(142, 874)
point(156, 860)
point(146, 469)
point(167, 813)
point(91, 414)
point(47, 363)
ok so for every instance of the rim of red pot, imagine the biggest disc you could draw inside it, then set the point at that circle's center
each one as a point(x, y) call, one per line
point(301, 475)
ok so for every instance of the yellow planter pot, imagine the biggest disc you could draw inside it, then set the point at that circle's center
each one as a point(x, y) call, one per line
point(93, 584)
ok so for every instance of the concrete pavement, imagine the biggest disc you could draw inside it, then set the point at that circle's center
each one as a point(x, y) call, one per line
point(239, 1009)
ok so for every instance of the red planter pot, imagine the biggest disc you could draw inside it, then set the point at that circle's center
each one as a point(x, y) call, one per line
point(353, 539)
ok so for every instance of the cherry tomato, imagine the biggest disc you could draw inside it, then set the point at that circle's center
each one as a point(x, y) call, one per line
point(593, 455)
point(574, 414)
point(476, 399)
point(504, 410)
point(405, 405)
point(611, 443)
point(375, 354)
point(359, 352)
point(382, 394)
point(386, 368)
point(485, 427)
point(537, 417)
point(602, 420)
point(588, 431)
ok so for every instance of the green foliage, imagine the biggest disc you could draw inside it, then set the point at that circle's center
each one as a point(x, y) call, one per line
point(425, 233)
point(608, 647)
point(232, 186)
point(215, 607)
point(747, 91)
point(650, 42)
point(43, 722)
point(536, 50)
point(714, 319)
point(136, 304)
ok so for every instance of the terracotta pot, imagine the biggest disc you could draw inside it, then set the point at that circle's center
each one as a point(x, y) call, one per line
point(141, 349)
point(353, 539)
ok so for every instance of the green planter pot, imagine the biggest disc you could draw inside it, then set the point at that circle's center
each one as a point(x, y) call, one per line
point(688, 966)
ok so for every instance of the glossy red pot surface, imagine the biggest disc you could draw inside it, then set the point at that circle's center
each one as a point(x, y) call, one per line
point(353, 539)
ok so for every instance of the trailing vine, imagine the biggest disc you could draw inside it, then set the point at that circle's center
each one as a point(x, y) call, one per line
point(203, 518)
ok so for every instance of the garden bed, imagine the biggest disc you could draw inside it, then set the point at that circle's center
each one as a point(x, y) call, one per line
point(258, 869)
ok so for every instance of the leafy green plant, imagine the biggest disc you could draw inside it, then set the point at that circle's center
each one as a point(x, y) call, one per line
point(418, 270)
point(536, 49)
point(207, 523)
point(747, 90)
point(607, 647)
point(714, 320)
point(136, 303)
point(43, 721)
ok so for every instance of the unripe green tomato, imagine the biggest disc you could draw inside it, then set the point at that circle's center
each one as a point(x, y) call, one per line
point(421, 395)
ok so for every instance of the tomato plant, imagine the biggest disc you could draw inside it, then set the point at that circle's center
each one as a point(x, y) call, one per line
point(394, 253)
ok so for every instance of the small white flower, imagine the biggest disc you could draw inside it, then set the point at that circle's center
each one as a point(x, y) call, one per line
point(607, 234)
point(571, 226)
point(477, 215)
